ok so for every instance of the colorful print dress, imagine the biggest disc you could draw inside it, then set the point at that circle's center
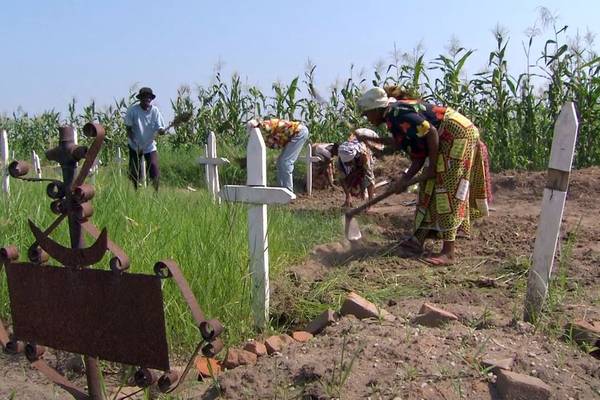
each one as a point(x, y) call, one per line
point(278, 132)
point(460, 191)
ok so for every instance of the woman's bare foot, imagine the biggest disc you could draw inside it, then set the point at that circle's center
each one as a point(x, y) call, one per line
point(440, 260)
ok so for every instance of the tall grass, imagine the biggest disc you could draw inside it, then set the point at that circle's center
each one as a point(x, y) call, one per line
point(208, 242)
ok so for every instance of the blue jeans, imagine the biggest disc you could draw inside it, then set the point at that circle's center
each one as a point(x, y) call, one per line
point(287, 158)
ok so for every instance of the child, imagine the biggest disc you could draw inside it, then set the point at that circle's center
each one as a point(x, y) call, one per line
point(323, 169)
point(355, 164)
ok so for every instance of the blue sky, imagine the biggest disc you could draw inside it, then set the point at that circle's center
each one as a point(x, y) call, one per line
point(55, 50)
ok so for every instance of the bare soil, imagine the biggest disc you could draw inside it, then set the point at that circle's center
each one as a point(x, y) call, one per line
point(356, 359)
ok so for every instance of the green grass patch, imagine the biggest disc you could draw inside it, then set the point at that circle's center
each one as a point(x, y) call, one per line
point(209, 242)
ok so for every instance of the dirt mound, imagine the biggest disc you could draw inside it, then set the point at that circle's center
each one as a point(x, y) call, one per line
point(369, 359)
point(485, 289)
point(360, 359)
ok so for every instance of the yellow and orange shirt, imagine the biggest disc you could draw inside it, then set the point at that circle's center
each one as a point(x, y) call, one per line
point(278, 132)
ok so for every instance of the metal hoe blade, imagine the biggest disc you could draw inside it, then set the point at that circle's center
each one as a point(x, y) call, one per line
point(351, 228)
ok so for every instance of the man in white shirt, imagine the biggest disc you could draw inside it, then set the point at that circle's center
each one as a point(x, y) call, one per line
point(143, 122)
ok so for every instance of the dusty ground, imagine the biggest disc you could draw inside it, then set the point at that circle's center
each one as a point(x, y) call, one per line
point(369, 359)
point(485, 289)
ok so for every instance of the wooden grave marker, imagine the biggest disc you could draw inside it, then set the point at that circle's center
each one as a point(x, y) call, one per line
point(258, 195)
point(211, 164)
point(309, 159)
point(553, 203)
point(4, 161)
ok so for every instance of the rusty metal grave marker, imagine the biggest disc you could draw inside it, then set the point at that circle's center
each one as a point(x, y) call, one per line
point(96, 306)
point(102, 314)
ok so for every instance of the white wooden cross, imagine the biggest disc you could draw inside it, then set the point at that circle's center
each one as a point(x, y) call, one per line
point(309, 161)
point(119, 160)
point(553, 203)
point(142, 175)
point(94, 171)
point(211, 164)
point(4, 161)
point(37, 165)
point(206, 177)
point(258, 195)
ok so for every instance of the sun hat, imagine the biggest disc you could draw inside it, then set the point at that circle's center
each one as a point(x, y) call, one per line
point(367, 132)
point(145, 91)
point(370, 134)
point(373, 98)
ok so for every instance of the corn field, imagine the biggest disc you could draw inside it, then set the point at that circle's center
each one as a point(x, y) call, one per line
point(515, 113)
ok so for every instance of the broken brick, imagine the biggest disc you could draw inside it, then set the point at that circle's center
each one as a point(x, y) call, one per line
point(302, 336)
point(321, 322)
point(247, 357)
point(256, 347)
point(231, 359)
point(286, 340)
point(498, 363)
point(432, 316)
point(582, 332)
point(274, 344)
point(207, 367)
point(513, 386)
point(237, 357)
point(362, 308)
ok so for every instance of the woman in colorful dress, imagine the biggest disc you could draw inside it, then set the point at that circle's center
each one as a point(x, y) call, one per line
point(454, 186)
point(290, 136)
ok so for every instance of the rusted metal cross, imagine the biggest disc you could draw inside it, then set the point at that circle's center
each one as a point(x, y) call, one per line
point(109, 315)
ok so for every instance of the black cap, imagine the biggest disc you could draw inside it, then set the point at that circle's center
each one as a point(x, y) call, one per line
point(145, 91)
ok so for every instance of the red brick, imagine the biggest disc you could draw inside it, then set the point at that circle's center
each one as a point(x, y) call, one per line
point(202, 366)
point(362, 308)
point(582, 331)
point(321, 322)
point(513, 386)
point(498, 363)
point(231, 360)
point(247, 357)
point(302, 336)
point(237, 357)
point(432, 316)
point(286, 340)
point(256, 347)
point(273, 344)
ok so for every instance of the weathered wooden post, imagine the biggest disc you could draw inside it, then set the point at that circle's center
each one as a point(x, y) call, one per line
point(309, 170)
point(258, 195)
point(94, 171)
point(119, 160)
point(206, 175)
point(37, 165)
point(553, 203)
point(4, 161)
point(211, 164)
point(142, 175)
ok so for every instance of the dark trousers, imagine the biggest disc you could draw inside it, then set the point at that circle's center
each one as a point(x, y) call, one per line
point(152, 169)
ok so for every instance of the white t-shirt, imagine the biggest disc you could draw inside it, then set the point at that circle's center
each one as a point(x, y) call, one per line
point(144, 124)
